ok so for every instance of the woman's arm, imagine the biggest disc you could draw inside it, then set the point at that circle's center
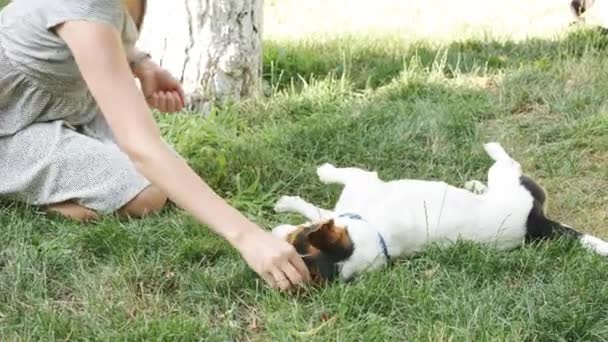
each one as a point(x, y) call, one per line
point(99, 53)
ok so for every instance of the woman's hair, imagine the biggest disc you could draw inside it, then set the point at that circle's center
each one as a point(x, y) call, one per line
point(140, 21)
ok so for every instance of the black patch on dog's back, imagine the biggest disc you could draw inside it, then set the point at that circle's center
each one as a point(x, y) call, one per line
point(535, 189)
point(538, 226)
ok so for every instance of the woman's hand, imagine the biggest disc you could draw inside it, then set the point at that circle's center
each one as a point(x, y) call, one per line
point(275, 260)
point(161, 90)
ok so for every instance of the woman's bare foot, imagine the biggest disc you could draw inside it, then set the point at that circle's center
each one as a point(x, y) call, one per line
point(72, 211)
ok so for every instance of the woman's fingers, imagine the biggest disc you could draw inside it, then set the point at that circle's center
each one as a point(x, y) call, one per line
point(269, 279)
point(162, 102)
point(180, 100)
point(153, 101)
point(176, 102)
point(293, 275)
point(287, 276)
point(181, 95)
point(166, 102)
point(299, 265)
point(280, 280)
point(171, 103)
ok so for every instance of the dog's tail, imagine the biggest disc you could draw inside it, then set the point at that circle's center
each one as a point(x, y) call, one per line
point(594, 244)
point(540, 227)
point(588, 242)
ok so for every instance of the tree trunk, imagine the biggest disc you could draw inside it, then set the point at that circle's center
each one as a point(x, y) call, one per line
point(213, 46)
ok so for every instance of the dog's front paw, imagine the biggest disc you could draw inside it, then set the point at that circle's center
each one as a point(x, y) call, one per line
point(287, 203)
point(325, 172)
point(475, 187)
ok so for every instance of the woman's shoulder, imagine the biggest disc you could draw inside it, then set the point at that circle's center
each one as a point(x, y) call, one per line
point(50, 13)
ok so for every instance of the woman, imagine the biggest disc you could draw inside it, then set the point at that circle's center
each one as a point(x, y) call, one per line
point(77, 136)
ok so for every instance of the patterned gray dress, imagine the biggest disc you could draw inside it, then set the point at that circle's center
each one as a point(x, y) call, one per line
point(54, 142)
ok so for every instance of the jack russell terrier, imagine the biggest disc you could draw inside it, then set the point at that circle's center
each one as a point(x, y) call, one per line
point(375, 221)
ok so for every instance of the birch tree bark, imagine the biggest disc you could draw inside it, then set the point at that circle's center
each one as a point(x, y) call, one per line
point(213, 46)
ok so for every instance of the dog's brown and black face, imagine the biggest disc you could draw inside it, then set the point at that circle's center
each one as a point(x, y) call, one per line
point(322, 246)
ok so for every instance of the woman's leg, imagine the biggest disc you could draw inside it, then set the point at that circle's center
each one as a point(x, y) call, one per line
point(73, 174)
point(149, 201)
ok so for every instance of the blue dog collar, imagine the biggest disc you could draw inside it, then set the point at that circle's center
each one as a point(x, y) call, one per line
point(380, 238)
point(352, 216)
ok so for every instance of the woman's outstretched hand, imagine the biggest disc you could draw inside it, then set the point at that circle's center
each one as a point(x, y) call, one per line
point(275, 260)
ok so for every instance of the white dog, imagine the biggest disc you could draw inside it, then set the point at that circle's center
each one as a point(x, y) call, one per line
point(375, 221)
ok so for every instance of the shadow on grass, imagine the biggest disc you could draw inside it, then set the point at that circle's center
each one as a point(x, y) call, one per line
point(369, 63)
point(417, 125)
point(413, 129)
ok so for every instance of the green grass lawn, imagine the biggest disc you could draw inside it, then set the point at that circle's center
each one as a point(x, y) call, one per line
point(418, 110)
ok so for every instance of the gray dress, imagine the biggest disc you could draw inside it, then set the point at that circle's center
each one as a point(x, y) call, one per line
point(55, 145)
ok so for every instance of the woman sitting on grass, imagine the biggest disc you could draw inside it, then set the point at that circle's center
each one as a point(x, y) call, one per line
point(78, 138)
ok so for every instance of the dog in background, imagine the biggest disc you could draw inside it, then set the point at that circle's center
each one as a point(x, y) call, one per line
point(579, 7)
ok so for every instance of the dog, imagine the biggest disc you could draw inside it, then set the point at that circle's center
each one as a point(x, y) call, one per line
point(579, 7)
point(375, 221)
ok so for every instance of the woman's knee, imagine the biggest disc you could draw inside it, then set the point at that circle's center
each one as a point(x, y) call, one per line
point(149, 201)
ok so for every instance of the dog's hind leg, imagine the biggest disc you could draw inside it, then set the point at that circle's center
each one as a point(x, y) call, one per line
point(505, 172)
point(296, 204)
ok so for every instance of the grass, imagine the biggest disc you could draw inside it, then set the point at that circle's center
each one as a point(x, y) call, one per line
point(407, 109)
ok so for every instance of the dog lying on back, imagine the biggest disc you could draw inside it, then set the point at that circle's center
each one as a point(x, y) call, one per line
point(375, 221)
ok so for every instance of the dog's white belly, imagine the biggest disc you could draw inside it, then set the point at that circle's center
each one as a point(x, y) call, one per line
point(413, 214)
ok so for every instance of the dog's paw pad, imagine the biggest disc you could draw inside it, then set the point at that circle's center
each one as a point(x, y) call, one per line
point(475, 186)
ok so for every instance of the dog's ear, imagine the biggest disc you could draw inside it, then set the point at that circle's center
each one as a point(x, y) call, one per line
point(331, 240)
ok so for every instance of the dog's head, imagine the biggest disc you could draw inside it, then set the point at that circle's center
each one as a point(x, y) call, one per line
point(337, 248)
